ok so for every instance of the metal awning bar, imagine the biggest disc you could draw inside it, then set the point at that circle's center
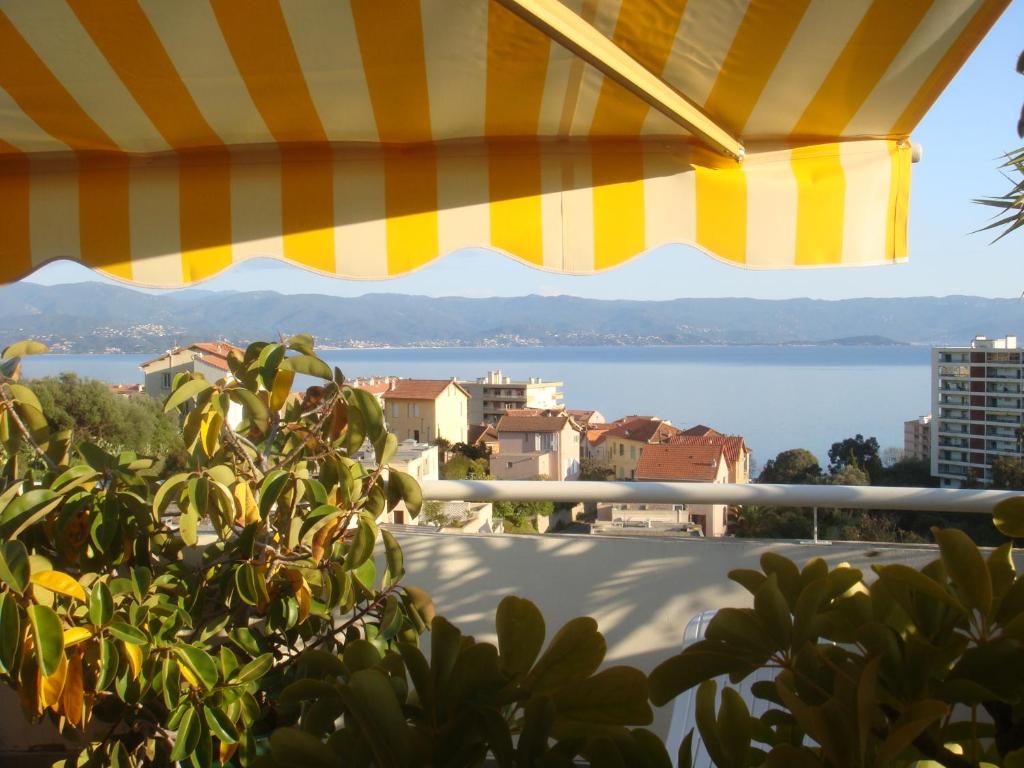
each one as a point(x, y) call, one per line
point(829, 496)
point(568, 29)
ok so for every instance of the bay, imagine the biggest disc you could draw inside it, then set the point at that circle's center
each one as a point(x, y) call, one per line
point(776, 397)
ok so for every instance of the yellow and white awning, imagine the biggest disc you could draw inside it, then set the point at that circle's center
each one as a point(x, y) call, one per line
point(160, 142)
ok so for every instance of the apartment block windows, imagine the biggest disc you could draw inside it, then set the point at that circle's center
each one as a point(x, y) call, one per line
point(622, 450)
point(167, 381)
point(394, 410)
point(414, 409)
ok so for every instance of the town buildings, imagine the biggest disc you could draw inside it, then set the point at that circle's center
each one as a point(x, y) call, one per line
point(976, 409)
point(543, 445)
point(917, 438)
point(494, 394)
point(620, 445)
point(209, 358)
point(424, 410)
point(737, 454)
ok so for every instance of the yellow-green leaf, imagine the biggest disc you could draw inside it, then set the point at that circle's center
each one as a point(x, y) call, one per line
point(1008, 517)
point(55, 581)
point(48, 637)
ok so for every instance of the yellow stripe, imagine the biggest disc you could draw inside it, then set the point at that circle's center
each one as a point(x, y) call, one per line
point(517, 62)
point(517, 65)
point(879, 37)
point(42, 97)
point(899, 199)
point(124, 35)
point(721, 190)
point(257, 35)
point(15, 236)
point(762, 38)
point(617, 175)
point(204, 212)
point(646, 31)
point(821, 204)
point(410, 192)
point(514, 184)
point(103, 220)
point(949, 65)
point(391, 46)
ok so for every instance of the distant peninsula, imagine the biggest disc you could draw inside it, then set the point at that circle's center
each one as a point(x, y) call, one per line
point(99, 318)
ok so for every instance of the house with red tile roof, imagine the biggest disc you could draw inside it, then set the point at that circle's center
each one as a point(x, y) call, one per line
point(621, 443)
point(427, 409)
point(675, 462)
point(537, 445)
point(209, 358)
point(586, 418)
point(737, 454)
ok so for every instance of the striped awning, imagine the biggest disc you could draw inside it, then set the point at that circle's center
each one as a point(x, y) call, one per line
point(160, 142)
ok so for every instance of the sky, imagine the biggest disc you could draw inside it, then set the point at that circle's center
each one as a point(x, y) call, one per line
point(964, 135)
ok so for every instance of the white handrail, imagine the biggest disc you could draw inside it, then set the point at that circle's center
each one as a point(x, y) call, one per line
point(843, 496)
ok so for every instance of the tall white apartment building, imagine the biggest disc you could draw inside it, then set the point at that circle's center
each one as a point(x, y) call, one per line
point(976, 409)
point(491, 396)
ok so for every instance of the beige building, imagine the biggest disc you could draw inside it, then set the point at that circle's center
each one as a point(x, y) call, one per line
point(621, 444)
point(544, 445)
point(685, 464)
point(426, 409)
point(494, 394)
point(917, 438)
point(207, 358)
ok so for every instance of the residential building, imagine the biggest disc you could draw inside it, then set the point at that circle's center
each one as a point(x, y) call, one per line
point(917, 438)
point(376, 385)
point(126, 390)
point(484, 436)
point(976, 408)
point(682, 463)
point(426, 409)
point(542, 445)
point(620, 445)
point(585, 418)
point(737, 454)
point(208, 358)
point(418, 460)
point(493, 395)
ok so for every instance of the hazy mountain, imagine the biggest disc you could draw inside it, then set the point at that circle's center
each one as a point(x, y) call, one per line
point(93, 317)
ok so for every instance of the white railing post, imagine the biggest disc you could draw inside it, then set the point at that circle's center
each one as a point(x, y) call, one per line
point(815, 525)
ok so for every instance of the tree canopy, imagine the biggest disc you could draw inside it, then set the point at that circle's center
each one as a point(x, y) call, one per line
point(797, 466)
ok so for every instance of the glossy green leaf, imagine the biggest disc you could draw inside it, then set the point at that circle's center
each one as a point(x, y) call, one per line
point(575, 652)
point(697, 663)
point(307, 365)
point(10, 635)
point(187, 738)
point(27, 509)
point(292, 748)
point(108, 663)
point(966, 568)
point(220, 724)
point(24, 348)
point(393, 556)
point(14, 565)
point(370, 698)
point(188, 527)
point(402, 487)
point(270, 489)
point(521, 630)
point(47, 636)
point(200, 663)
point(772, 609)
point(361, 547)
point(614, 696)
point(734, 728)
point(101, 604)
point(1008, 517)
point(254, 670)
point(186, 392)
point(126, 632)
point(707, 722)
point(316, 520)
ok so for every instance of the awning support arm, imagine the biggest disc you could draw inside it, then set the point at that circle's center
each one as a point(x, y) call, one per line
point(574, 33)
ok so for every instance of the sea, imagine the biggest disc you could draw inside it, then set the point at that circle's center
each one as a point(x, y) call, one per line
point(777, 397)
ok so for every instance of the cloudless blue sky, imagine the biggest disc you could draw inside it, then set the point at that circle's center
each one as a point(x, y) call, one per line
point(966, 132)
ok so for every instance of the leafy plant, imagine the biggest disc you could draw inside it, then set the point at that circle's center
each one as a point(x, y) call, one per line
point(918, 665)
point(154, 616)
point(471, 699)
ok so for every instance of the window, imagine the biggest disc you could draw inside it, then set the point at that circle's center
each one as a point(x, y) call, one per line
point(414, 409)
point(622, 449)
point(632, 451)
point(394, 410)
point(546, 441)
point(167, 381)
point(416, 435)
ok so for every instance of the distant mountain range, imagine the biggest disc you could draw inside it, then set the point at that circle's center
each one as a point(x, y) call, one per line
point(94, 317)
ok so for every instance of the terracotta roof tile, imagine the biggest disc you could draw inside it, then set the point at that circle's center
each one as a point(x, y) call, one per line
point(419, 389)
point(691, 463)
point(733, 445)
point(532, 423)
point(644, 429)
point(700, 430)
point(481, 433)
point(215, 353)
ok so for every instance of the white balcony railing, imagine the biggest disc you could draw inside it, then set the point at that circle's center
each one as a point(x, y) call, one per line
point(825, 496)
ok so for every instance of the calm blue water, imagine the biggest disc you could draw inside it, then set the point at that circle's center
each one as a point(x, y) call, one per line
point(777, 397)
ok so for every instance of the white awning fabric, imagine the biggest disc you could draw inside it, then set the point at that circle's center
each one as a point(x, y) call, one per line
point(161, 142)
